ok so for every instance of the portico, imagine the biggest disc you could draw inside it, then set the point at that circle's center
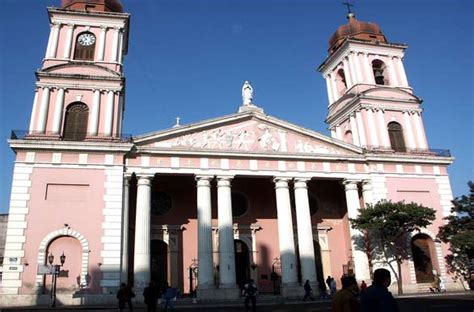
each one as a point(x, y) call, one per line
point(286, 200)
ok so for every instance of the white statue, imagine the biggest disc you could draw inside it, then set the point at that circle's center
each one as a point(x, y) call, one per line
point(247, 93)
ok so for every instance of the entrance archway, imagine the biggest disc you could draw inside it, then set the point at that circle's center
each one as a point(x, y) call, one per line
point(242, 262)
point(422, 249)
point(159, 263)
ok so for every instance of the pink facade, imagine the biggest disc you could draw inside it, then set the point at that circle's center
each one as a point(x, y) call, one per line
point(182, 200)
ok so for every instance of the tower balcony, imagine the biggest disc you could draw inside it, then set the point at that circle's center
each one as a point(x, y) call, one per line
point(77, 137)
point(409, 151)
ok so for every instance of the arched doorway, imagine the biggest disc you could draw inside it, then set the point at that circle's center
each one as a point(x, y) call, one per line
point(69, 278)
point(242, 262)
point(159, 263)
point(422, 249)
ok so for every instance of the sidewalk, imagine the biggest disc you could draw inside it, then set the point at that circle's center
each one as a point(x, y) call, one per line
point(187, 303)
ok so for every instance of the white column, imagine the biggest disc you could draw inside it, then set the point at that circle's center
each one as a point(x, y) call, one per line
point(368, 70)
point(373, 130)
point(33, 112)
point(351, 62)
point(58, 111)
point(367, 192)
point(355, 132)
point(141, 265)
point(120, 47)
point(408, 131)
point(125, 225)
point(347, 73)
point(285, 233)
point(335, 92)
point(305, 231)
point(109, 114)
point(339, 134)
point(358, 70)
point(102, 36)
point(43, 113)
point(94, 117)
point(54, 40)
point(392, 72)
point(361, 263)
point(50, 38)
point(401, 72)
point(329, 89)
point(226, 233)
point(68, 44)
point(205, 276)
point(118, 131)
point(333, 132)
point(115, 45)
point(361, 129)
point(420, 133)
point(383, 129)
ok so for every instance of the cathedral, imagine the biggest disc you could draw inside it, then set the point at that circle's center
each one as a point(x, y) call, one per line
point(209, 205)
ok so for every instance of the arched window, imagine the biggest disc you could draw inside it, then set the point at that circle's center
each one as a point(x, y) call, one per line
point(75, 124)
point(348, 137)
point(380, 72)
point(395, 133)
point(341, 83)
point(85, 46)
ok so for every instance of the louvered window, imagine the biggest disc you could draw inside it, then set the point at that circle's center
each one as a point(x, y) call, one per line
point(75, 125)
point(395, 133)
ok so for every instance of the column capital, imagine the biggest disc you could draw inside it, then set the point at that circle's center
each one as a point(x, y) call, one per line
point(144, 180)
point(366, 185)
point(103, 27)
point(301, 183)
point(126, 181)
point(71, 25)
point(224, 180)
point(281, 182)
point(204, 180)
point(350, 184)
point(55, 24)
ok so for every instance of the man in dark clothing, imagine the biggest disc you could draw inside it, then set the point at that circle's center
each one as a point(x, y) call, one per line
point(377, 298)
point(307, 291)
point(124, 296)
point(150, 294)
point(250, 291)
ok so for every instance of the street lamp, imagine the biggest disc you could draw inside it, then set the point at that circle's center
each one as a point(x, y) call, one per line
point(55, 273)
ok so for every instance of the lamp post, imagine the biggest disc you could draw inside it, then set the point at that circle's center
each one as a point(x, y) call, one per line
point(55, 268)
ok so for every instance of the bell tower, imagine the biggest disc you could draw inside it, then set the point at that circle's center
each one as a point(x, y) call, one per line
point(371, 103)
point(80, 87)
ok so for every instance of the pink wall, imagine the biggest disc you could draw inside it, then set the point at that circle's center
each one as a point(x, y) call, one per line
point(60, 196)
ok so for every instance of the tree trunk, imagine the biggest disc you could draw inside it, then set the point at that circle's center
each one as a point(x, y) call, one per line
point(399, 280)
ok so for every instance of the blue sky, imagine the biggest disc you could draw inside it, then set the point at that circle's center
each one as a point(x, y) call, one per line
point(190, 58)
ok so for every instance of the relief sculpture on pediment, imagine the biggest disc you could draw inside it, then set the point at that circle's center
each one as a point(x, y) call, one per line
point(250, 137)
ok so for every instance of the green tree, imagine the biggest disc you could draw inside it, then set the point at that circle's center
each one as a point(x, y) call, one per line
point(387, 224)
point(459, 233)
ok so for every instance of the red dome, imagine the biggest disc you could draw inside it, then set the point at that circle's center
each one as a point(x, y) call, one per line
point(93, 5)
point(355, 30)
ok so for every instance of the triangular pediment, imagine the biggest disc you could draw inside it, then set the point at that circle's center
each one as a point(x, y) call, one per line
point(245, 133)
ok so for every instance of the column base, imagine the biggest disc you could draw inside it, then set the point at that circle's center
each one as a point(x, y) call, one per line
point(292, 291)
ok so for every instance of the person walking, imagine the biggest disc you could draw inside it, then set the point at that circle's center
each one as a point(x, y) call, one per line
point(323, 293)
point(150, 294)
point(170, 295)
point(345, 300)
point(124, 296)
point(377, 297)
point(308, 291)
point(250, 292)
point(363, 286)
point(332, 286)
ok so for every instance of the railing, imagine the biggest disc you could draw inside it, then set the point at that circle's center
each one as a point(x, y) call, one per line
point(408, 151)
point(85, 137)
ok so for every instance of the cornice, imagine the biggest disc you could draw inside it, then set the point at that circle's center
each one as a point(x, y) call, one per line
point(45, 145)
